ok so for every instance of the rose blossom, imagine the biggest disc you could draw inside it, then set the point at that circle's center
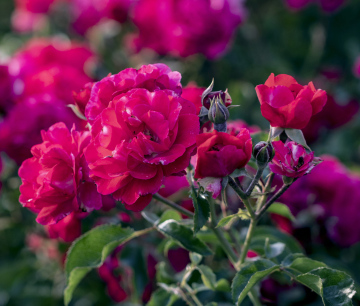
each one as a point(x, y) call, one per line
point(220, 154)
point(29, 15)
point(140, 137)
point(193, 93)
point(291, 159)
point(186, 27)
point(332, 116)
point(20, 131)
point(55, 180)
point(234, 127)
point(51, 66)
point(67, 229)
point(151, 77)
point(88, 13)
point(287, 104)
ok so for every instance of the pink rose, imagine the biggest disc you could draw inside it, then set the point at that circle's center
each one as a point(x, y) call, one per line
point(140, 138)
point(287, 104)
point(186, 27)
point(193, 93)
point(67, 229)
point(220, 154)
point(291, 159)
point(151, 77)
point(55, 181)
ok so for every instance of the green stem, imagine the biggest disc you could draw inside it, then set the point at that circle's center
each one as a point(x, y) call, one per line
point(266, 189)
point(255, 180)
point(272, 200)
point(193, 295)
point(220, 235)
point(173, 205)
point(247, 241)
point(242, 196)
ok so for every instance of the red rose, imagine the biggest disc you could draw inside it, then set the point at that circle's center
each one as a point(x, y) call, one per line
point(140, 138)
point(220, 154)
point(193, 93)
point(55, 180)
point(291, 159)
point(287, 104)
point(151, 77)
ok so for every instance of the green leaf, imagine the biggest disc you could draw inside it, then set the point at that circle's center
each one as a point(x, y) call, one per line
point(207, 276)
point(90, 251)
point(297, 136)
point(195, 258)
point(261, 233)
point(305, 264)
point(282, 210)
point(275, 132)
point(223, 285)
point(201, 210)
point(249, 275)
point(162, 297)
point(273, 250)
point(170, 214)
point(335, 287)
point(242, 214)
point(184, 236)
point(163, 274)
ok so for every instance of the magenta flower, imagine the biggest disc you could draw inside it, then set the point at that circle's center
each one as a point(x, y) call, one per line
point(19, 131)
point(139, 139)
point(51, 66)
point(292, 160)
point(55, 181)
point(186, 27)
point(151, 77)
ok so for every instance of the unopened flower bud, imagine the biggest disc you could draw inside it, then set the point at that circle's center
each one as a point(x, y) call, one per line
point(223, 95)
point(263, 153)
point(209, 95)
point(218, 112)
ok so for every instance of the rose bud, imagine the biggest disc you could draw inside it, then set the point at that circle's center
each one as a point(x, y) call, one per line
point(287, 104)
point(263, 153)
point(223, 95)
point(291, 160)
point(220, 154)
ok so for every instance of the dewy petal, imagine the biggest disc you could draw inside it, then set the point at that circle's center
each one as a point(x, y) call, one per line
point(54, 213)
point(89, 197)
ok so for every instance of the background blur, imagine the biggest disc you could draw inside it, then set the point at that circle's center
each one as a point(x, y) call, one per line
point(315, 41)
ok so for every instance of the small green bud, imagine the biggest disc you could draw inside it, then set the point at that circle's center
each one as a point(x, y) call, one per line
point(218, 112)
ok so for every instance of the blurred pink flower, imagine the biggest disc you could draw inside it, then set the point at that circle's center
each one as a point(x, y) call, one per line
point(186, 27)
point(332, 116)
point(29, 15)
point(19, 131)
point(326, 5)
point(88, 13)
point(52, 66)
